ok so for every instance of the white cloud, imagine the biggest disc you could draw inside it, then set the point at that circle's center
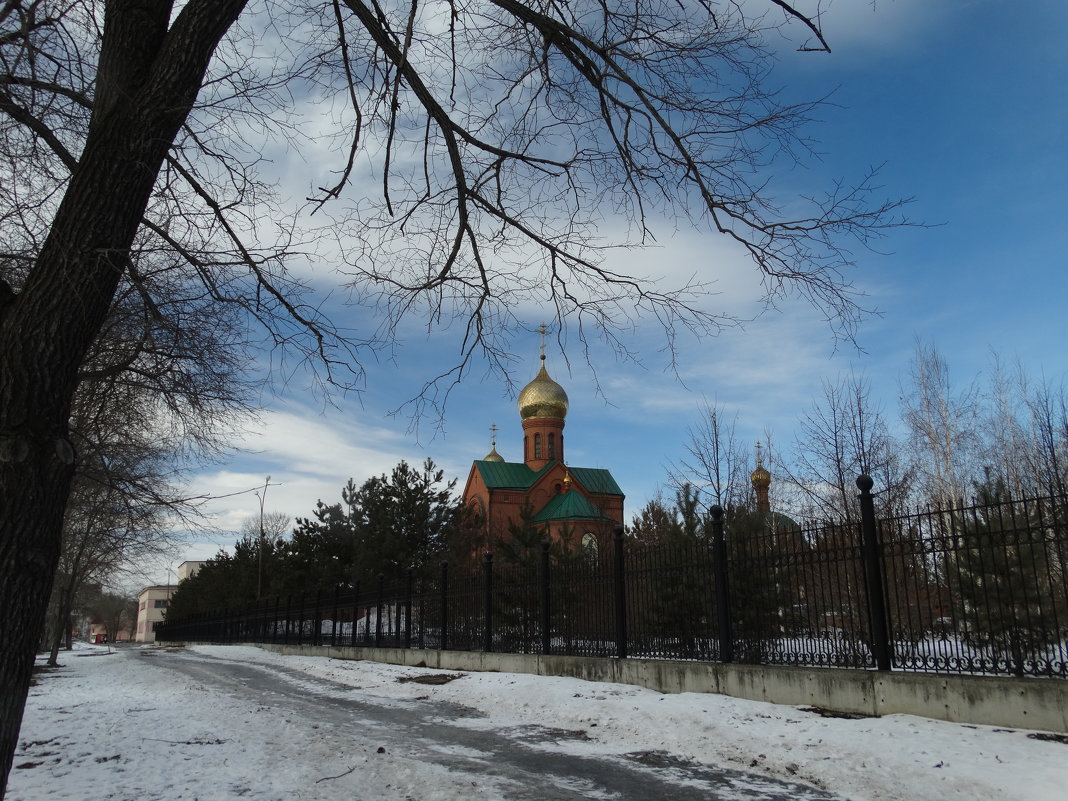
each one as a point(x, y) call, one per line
point(308, 454)
point(856, 27)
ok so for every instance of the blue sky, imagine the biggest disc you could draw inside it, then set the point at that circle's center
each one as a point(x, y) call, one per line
point(964, 106)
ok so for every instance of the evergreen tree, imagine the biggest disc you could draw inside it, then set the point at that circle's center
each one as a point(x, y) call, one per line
point(675, 559)
point(228, 581)
point(762, 587)
point(404, 521)
point(1004, 577)
point(323, 548)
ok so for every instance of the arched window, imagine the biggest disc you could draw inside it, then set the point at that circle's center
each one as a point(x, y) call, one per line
point(552, 446)
point(537, 446)
point(589, 546)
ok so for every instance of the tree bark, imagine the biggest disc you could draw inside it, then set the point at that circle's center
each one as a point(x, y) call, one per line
point(149, 76)
point(61, 636)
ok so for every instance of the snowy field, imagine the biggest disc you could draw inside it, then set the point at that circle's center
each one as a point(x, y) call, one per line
point(116, 726)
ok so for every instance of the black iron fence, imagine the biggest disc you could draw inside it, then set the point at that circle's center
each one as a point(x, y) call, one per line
point(981, 589)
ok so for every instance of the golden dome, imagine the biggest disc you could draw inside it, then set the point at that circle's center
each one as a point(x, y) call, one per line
point(493, 456)
point(761, 478)
point(543, 397)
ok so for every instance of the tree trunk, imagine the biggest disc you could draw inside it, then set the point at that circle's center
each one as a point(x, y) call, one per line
point(147, 81)
point(62, 633)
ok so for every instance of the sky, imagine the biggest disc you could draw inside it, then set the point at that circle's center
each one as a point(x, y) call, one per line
point(122, 725)
point(961, 106)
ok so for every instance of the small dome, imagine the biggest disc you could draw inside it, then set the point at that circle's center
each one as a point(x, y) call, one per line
point(543, 397)
point(493, 456)
point(761, 478)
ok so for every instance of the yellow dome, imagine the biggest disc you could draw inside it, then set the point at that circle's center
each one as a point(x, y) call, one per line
point(761, 478)
point(543, 397)
point(493, 456)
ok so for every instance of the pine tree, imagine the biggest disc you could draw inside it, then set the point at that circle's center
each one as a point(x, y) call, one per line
point(1004, 580)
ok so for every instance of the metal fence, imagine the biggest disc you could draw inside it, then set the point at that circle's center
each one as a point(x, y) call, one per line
point(981, 589)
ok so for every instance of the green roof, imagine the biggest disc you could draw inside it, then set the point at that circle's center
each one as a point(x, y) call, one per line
point(569, 506)
point(508, 475)
point(594, 479)
point(517, 476)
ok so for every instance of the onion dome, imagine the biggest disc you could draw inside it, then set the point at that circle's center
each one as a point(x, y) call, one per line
point(493, 456)
point(761, 478)
point(543, 397)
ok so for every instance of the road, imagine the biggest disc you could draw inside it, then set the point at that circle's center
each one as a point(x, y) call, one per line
point(540, 763)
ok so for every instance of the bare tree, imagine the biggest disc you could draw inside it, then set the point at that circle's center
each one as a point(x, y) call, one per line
point(941, 424)
point(1048, 411)
point(265, 529)
point(1006, 444)
point(274, 526)
point(715, 462)
point(843, 435)
point(500, 132)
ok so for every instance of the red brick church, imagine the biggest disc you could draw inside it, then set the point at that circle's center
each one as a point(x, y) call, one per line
point(584, 501)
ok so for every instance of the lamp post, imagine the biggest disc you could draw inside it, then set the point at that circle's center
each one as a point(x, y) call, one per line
point(259, 576)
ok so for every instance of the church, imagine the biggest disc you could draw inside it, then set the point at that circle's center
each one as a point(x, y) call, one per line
point(583, 503)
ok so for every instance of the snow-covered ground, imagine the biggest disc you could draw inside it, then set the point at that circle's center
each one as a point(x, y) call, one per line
point(105, 727)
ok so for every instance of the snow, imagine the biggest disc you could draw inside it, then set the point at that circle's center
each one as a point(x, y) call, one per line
point(104, 726)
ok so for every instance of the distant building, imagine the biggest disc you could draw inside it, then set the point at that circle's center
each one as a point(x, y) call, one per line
point(152, 603)
point(188, 570)
point(584, 501)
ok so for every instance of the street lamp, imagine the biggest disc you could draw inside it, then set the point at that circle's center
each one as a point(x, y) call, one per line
point(259, 577)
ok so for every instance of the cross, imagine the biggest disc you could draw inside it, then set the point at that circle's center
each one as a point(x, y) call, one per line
point(759, 455)
point(542, 329)
point(493, 434)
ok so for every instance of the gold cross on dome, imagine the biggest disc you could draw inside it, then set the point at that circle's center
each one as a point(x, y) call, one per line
point(493, 434)
point(542, 329)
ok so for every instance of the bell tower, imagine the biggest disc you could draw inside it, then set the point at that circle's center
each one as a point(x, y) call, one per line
point(542, 408)
point(761, 480)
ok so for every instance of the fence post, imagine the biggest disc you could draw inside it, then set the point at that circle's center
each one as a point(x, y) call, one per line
point(546, 616)
point(873, 576)
point(378, 610)
point(300, 615)
point(487, 592)
point(409, 582)
point(723, 595)
point(333, 618)
point(289, 614)
point(443, 643)
point(620, 593)
point(317, 635)
point(356, 610)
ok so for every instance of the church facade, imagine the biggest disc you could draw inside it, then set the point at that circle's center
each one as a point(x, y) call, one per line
point(579, 503)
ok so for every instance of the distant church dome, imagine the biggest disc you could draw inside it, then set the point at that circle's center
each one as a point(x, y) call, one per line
point(761, 478)
point(543, 397)
point(493, 456)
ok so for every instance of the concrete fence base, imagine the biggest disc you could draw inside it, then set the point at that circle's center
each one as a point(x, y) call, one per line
point(1028, 703)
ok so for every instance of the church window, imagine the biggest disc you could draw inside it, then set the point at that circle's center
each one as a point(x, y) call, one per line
point(537, 446)
point(552, 446)
point(589, 546)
